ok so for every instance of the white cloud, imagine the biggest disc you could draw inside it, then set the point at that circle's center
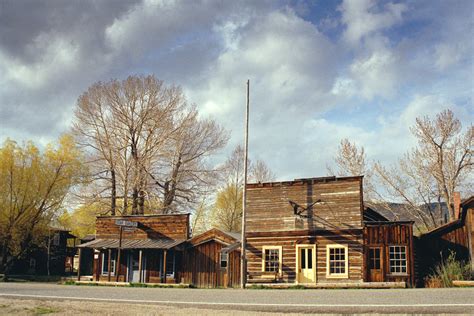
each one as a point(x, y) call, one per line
point(364, 17)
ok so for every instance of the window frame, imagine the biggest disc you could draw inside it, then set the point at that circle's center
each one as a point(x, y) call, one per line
point(106, 265)
point(280, 256)
point(221, 260)
point(344, 275)
point(390, 260)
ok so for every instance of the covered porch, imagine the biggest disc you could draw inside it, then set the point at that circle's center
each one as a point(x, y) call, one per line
point(134, 260)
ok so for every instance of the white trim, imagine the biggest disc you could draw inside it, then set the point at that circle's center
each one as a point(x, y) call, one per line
point(280, 256)
point(169, 302)
point(337, 275)
point(406, 261)
point(112, 266)
point(313, 246)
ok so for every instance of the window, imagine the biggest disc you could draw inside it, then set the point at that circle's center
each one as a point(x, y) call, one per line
point(105, 264)
point(398, 259)
point(223, 259)
point(374, 258)
point(56, 239)
point(32, 263)
point(337, 261)
point(271, 259)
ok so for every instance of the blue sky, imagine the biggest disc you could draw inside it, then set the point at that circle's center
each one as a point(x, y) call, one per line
point(319, 70)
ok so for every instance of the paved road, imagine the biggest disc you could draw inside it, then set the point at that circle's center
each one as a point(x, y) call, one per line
point(457, 300)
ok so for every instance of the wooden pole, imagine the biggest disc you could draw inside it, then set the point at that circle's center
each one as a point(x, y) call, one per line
point(164, 267)
point(140, 263)
point(79, 266)
point(243, 265)
point(109, 263)
point(117, 263)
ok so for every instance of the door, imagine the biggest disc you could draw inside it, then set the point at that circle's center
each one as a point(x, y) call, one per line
point(134, 270)
point(375, 264)
point(306, 270)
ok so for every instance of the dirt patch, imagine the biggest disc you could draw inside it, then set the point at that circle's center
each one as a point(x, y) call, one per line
point(42, 307)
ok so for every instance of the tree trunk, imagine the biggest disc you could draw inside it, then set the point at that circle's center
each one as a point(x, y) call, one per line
point(113, 202)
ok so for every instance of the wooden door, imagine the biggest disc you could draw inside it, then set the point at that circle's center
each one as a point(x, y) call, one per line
point(375, 264)
point(306, 264)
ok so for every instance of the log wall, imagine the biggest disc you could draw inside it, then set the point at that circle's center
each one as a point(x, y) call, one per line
point(268, 207)
point(175, 226)
point(351, 238)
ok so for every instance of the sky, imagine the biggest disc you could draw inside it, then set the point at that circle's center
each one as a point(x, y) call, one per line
point(319, 71)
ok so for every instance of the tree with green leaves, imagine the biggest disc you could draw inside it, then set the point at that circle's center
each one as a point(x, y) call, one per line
point(34, 186)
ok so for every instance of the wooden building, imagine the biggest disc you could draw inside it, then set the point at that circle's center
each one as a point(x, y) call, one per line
point(151, 252)
point(52, 257)
point(310, 231)
point(212, 259)
point(389, 255)
point(456, 236)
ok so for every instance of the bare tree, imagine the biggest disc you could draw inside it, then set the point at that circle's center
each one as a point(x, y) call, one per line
point(260, 172)
point(146, 142)
point(431, 172)
point(351, 160)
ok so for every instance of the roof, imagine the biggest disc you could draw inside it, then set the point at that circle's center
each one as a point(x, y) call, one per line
point(218, 235)
point(465, 205)
point(303, 181)
point(145, 215)
point(370, 215)
point(163, 243)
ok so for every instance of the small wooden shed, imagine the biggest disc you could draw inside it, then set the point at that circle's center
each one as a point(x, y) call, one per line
point(212, 259)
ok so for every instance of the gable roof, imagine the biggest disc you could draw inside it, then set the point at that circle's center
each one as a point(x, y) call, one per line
point(215, 234)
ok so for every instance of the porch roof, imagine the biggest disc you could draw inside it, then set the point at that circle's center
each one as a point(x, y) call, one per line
point(163, 243)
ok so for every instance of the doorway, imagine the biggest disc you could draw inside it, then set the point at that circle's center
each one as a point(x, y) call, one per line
point(306, 263)
point(375, 264)
point(134, 269)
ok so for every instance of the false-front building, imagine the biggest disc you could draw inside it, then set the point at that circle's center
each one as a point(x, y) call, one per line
point(311, 231)
point(149, 251)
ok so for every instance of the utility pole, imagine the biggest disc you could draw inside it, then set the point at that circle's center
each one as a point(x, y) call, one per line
point(243, 261)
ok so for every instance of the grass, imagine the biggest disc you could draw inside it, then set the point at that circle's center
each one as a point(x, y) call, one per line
point(42, 310)
point(448, 271)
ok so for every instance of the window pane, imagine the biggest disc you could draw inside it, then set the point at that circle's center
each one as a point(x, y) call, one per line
point(303, 258)
point(310, 258)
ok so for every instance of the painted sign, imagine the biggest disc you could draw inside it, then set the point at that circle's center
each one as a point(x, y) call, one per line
point(122, 222)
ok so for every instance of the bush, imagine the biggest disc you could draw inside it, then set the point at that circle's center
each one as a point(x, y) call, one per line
point(448, 271)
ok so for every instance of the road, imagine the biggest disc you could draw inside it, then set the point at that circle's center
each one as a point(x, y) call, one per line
point(455, 300)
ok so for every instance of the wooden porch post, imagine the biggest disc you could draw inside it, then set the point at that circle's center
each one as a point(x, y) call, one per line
point(79, 265)
point(117, 265)
point(164, 266)
point(109, 264)
point(140, 262)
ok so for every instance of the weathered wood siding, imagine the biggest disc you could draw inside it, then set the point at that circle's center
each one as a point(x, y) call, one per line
point(201, 266)
point(268, 207)
point(174, 226)
point(391, 234)
point(351, 238)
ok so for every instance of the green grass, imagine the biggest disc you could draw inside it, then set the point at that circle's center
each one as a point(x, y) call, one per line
point(42, 310)
point(448, 271)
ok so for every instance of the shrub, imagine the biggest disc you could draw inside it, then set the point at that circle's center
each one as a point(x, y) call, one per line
point(448, 271)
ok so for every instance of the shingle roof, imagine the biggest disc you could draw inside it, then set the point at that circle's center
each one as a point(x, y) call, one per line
point(133, 243)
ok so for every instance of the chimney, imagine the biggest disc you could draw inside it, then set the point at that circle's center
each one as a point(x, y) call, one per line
point(457, 205)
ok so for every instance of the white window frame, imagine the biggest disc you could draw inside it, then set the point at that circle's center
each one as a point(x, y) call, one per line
point(224, 257)
point(390, 260)
point(280, 255)
point(344, 275)
point(106, 264)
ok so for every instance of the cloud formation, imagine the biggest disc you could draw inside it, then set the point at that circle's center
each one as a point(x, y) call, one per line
point(319, 72)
